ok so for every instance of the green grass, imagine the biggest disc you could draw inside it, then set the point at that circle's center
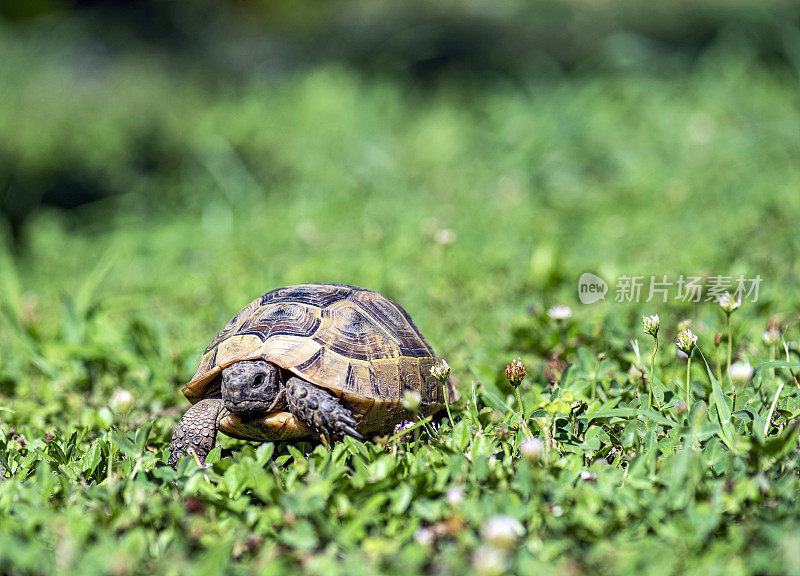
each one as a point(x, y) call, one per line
point(329, 176)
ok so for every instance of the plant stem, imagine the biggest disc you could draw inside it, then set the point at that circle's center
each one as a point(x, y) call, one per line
point(447, 405)
point(525, 428)
point(545, 428)
point(688, 383)
point(730, 349)
point(674, 379)
point(652, 365)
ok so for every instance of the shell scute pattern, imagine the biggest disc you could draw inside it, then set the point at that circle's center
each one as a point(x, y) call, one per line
point(396, 322)
point(346, 330)
point(289, 319)
point(320, 295)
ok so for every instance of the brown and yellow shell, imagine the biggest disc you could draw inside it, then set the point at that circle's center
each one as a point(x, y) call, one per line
point(354, 342)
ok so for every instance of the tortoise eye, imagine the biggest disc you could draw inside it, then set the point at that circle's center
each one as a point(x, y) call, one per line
point(258, 380)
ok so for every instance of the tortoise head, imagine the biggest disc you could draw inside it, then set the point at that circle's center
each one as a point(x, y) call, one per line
point(250, 386)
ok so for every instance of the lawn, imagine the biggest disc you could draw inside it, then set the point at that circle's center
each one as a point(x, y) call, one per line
point(477, 208)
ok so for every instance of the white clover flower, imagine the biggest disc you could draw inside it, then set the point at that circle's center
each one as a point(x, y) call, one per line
point(686, 341)
point(425, 537)
point(489, 561)
point(728, 303)
point(559, 312)
point(502, 531)
point(532, 449)
point(402, 427)
point(444, 236)
point(740, 372)
point(650, 324)
point(440, 370)
point(455, 496)
point(411, 400)
point(122, 401)
point(588, 476)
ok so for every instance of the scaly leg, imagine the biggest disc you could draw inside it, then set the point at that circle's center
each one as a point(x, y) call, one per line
point(197, 430)
point(320, 409)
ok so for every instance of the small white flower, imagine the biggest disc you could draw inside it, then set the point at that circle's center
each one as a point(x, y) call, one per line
point(588, 476)
point(559, 312)
point(425, 537)
point(686, 341)
point(455, 496)
point(444, 236)
point(502, 531)
point(122, 401)
point(557, 510)
point(532, 449)
point(440, 370)
point(741, 372)
point(411, 400)
point(402, 427)
point(489, 561)
point(650, 324)
point(728, 303)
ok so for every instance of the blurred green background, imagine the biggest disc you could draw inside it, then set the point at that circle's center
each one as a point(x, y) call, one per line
point(162, 163)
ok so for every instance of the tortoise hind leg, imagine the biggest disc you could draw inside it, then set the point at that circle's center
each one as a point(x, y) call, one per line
point(320, 409)
point(196, 432)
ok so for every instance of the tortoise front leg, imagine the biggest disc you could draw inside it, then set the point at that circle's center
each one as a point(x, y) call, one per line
point(196, 432)
point(320, 409)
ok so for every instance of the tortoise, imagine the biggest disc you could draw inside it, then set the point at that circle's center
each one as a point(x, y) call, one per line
point(307, 361)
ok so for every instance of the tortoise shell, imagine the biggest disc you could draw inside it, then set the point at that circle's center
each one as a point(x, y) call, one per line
point(354, 342)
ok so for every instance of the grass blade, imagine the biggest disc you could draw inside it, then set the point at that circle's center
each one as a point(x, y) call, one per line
point(720, 401)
